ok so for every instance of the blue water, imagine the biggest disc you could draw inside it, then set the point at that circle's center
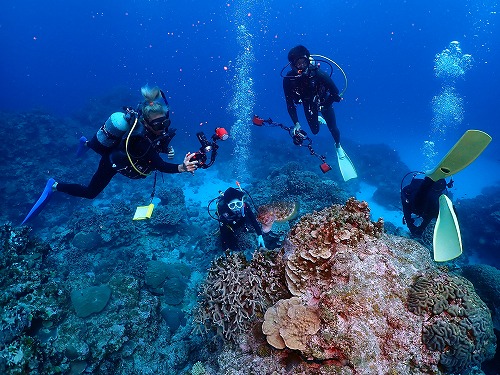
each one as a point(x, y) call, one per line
point(59, 56)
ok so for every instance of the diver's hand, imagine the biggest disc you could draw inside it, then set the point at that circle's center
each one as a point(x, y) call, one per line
point(187, 165)
point(260, 241)
point(296, 128)
point(337, 98)
point(170, 152)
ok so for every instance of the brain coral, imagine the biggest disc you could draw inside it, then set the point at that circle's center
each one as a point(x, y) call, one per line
point(457, 322)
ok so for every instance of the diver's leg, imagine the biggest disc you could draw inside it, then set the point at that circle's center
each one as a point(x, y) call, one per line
point(105, 172)
point(331, 121)
point(311, 113)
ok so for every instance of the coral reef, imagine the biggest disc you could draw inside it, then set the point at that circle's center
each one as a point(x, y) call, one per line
point(320, 235)
point(289, 324)
point(292, 183)
point(480, 216)
point(236, 292)
point(457, 323)
point(486, 280)
point(350, 311)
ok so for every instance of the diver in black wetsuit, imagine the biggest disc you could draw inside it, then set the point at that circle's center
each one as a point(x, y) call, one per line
point(139, 157)
point(306, 84)
point(233, 215)
point(135, 156)
point(420, 199)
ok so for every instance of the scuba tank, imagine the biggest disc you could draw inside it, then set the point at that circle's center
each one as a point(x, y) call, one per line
point(112, 131)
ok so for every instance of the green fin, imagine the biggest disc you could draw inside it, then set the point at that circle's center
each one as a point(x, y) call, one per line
point(464, 152)
point(345, 164)
point(447, 241)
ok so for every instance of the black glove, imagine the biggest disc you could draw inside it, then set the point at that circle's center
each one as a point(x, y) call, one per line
point(336, 98)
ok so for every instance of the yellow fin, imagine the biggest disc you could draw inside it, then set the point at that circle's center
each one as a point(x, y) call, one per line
point(464, 152)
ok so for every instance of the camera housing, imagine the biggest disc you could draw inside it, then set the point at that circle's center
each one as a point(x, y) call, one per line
point(208, 146)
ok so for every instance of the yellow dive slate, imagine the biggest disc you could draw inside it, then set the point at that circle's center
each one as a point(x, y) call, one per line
point(464, 152)
point(144, 212)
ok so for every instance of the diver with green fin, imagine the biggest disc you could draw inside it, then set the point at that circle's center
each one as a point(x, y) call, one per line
point(130, 144)
point(310, 86)
point(427, 199)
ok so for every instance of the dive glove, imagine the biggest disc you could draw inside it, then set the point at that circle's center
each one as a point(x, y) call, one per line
point(170, 152)
point(296, 128)
point(260, 241)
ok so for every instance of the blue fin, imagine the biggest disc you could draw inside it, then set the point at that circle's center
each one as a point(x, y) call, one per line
point(42, 201)
point(82, 147)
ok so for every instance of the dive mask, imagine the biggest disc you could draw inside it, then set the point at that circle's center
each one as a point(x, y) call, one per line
point(301, 64)
point(235, 204)
point(159, 123)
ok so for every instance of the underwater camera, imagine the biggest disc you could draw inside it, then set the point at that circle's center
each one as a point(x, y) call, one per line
point(207, 146)
point(299, 137)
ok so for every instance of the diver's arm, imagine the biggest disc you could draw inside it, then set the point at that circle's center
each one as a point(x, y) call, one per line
point(290, 105)
point(332, 89)
point(252, 220)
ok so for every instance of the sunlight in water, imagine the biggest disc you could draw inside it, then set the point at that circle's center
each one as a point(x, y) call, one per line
point(447, 107)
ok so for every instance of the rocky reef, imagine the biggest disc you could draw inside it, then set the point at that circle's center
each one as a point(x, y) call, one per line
point(363, 302)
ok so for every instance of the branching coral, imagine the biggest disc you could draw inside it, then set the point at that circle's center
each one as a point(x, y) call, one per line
point(458, 324)
point(236, 292)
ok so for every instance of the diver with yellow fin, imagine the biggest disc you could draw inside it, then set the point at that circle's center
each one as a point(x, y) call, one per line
point(427, 199)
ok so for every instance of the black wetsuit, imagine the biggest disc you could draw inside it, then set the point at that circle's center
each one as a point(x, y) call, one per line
point(313, 89)
point(421, 198)
point(143, 148)
point(230, 222)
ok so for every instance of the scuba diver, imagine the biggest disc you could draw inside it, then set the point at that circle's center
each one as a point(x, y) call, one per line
point(428, 198)
point(233, 214)
point(130, 144)
point(308, 85)
point(420, 200)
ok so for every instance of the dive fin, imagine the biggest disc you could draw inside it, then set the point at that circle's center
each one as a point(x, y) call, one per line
point(82, 147)
point(447, 242)
point(42, 201)
point(464, 152)
point(345, 164)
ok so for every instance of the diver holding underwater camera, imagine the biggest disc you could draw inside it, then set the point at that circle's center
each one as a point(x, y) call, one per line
point(130, 143)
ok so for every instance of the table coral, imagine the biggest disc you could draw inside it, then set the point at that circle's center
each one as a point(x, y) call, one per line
point(290, 324)
point(319, 235)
